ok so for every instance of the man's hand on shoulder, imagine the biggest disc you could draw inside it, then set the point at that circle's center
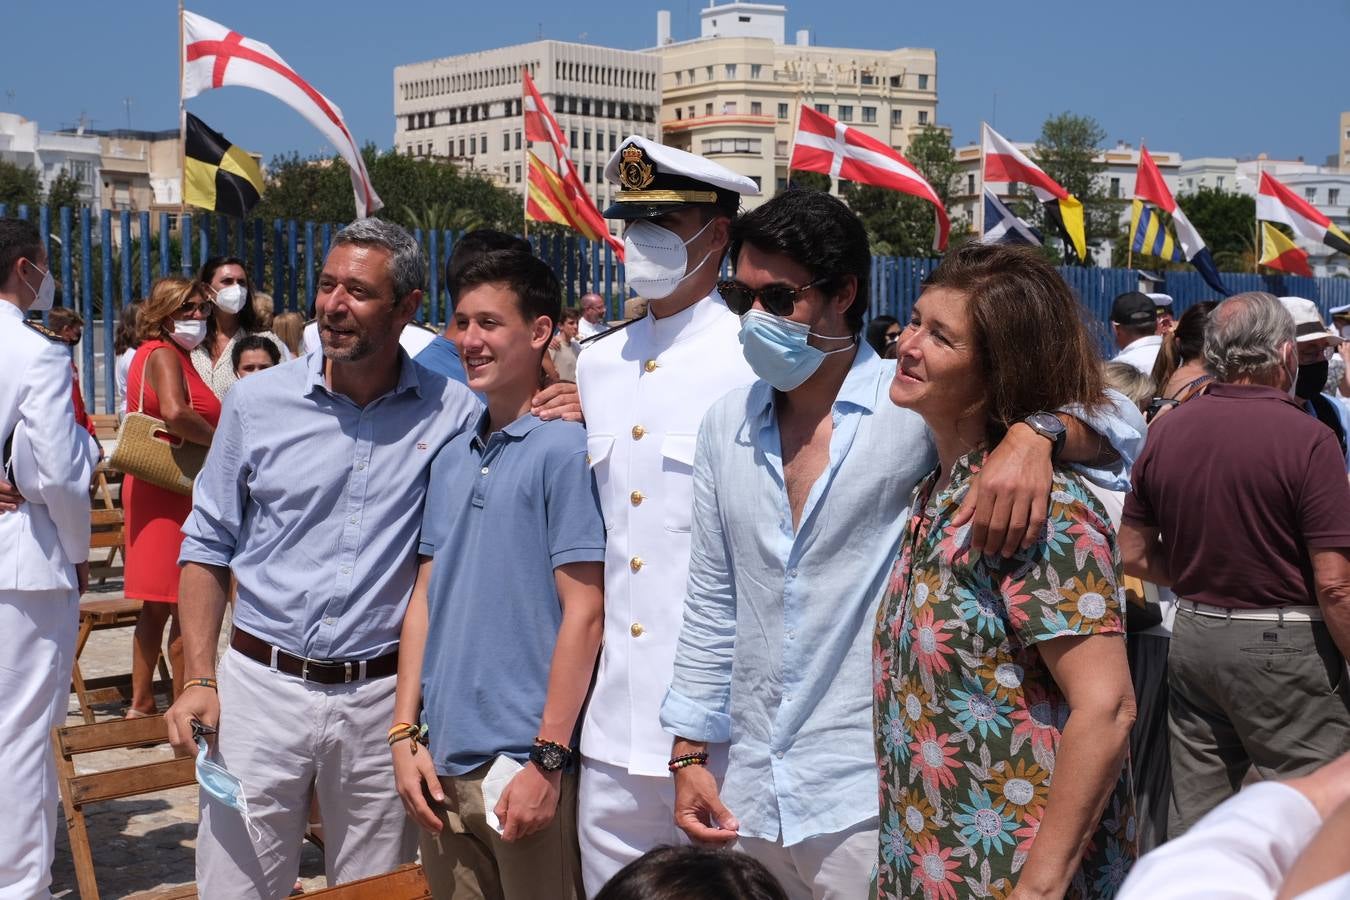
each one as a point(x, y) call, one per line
point(558, 401)
point(1010, 496)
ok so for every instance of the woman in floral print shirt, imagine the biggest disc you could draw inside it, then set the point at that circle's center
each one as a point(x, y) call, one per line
point(1002, 697)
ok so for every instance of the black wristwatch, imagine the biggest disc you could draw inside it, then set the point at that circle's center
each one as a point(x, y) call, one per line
point(550, 756)
point(1048, 426)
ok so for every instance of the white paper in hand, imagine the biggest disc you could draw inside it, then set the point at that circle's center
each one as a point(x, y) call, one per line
point(503, 769)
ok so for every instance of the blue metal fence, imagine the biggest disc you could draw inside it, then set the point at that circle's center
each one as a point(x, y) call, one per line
point(287, 257)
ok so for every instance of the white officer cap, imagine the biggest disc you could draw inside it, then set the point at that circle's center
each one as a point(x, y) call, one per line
point(1161, 300)
point(656, 179)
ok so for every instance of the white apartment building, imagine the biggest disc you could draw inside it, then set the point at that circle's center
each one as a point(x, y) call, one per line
point(51, 153)
point(467, 108)
point(732, 93)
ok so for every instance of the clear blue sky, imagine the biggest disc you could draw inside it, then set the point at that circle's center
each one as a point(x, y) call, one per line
point(1202, 77)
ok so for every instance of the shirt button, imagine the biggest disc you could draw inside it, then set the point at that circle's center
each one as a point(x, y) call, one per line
point(792, 573)
point(360, 465)
point(635, 563)
point(636, 629)
point(779, 754)
point(346, 570)
point(353, 520)
point(636, 498)
point(791, 635)
point(483, 470)
point(329, 620)
point(638, 432)
point(650, 366)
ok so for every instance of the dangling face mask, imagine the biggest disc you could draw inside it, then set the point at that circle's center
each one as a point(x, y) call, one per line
point(217, 781)
point(45, 293)
point(231, 298)
point(655, 259)
point(778, 349)
point(188, 333)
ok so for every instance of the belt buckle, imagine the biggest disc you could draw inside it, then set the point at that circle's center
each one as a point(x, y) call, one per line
point(347, 672)
point(304, 668)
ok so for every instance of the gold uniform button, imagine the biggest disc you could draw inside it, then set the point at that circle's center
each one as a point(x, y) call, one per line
point(636, 629)
point(638, 432)
point(650, 366)
point(636, 498)
point(635, 563)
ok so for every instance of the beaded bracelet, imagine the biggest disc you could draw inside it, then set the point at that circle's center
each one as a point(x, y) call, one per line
point(200, 682)
point(408, 732)
point(689, 759)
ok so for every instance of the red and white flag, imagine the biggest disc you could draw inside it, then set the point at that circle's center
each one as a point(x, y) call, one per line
point(1276, 202)
point(214, 56)
point(824, 145)
point(1005, 164)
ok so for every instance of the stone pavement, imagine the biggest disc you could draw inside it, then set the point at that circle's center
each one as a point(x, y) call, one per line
point(144, 843)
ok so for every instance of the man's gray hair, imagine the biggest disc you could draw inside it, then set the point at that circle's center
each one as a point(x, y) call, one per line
point(408, 266)
point(1244, 334)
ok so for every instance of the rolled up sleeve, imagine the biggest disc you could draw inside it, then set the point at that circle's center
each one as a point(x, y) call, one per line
point(696, 705)
point(1123, 426)
point(219, 495)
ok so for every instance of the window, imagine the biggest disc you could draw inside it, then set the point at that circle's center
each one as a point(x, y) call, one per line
point(1115, 188)
point(461, 147)
point(585, 140)
point(679, 77)
point(923, 117)
point(867, 78)
point(691, 112)
point(1190, 184)
point(586, 173)
point(473, 145)
point(729, 108)
point(710, 73)
point(517, 140)
point(412, 121)
point(419, 149)
point(897, 115)
point(1218, 182)
point(1333, 196)
point(742, 18)
point(517, 173)
point(782, 110)
point(756, 108)
point(923, 82)
point(572, 139)
point(896, 81)
point(780, 148)
point(970, 183)
point(780, 185)
point(679, 114)
point(845, 112)
point(613, 139)
point(421, 120)
point(823, 108)
point(506, 140)
point(869, 114)
point(755, 70)
point(731, 145)
point(558, 103)
point(707, 109)
point(755, 179)
point(585, 107)
point(731, 70)
point(1310, 194)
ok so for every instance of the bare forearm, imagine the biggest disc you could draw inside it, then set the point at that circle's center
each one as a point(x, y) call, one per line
point(1083, 445)
point(1087, 765)
point(569, 676)
point(411, 647)
point(188, 424)
point(202, 591)
point(1336, 612)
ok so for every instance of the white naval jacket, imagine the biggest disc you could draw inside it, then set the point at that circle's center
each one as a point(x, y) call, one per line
point(41, 542)
point(644, 391)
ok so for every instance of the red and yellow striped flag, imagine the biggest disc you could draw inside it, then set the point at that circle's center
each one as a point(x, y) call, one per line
point(548, 201)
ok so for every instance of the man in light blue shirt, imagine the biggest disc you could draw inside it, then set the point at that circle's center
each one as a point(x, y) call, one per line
point(800, 485)
point(312, 495)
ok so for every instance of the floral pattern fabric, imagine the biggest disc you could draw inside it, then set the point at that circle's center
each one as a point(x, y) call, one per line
point(967, 715)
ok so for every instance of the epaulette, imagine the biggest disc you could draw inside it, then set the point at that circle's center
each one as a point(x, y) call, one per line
point(424, 326)
point(615, 330)
point(45, 331)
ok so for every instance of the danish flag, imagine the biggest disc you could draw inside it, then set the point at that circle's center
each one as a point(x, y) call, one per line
point(214, 57)
point(824, 145)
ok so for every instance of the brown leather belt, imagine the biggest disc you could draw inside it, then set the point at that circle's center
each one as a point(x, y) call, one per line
point(319, 671)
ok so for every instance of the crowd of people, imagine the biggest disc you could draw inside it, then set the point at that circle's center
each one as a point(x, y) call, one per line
point(745, 597)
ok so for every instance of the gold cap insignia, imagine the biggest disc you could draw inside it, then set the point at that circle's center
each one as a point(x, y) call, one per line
point(635, 174)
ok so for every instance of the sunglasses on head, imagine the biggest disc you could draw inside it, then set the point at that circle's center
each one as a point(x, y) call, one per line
point(776, 299)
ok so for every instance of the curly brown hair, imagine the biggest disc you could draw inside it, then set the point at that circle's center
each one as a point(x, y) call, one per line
point(167, 295)
point(1030, 341)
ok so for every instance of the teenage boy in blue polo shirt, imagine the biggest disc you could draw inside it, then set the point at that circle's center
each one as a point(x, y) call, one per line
point(504, 626)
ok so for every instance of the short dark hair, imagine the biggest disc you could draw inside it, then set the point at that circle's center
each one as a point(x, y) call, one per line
point(570, 314)
point(1028, 335)
point(876, 332)
point(249, 323)
point(473, 244)
point(18, 240)
point(254, 342)
point(63, 317)
point(525, 275)
point(693, 873)
point(817, 231)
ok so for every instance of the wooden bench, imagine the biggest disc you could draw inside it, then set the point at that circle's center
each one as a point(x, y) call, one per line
point(78, 791)
point(405, 883)
point(100, 615)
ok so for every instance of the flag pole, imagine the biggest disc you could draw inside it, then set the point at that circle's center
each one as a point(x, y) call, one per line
point(979, 200)
point(1257, 244)
point(524, 155)
point(796, 124)
point(1129, 238)
point(182, 130)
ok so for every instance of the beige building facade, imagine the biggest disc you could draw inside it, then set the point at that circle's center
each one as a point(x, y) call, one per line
point(732, 94)
point(467, 108)
point(141, 170)
point(1343, 157)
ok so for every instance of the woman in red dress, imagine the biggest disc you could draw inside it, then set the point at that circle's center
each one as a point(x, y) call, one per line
point(162, 383)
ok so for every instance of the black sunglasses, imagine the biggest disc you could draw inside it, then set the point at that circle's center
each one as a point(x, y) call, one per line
point(777, 299)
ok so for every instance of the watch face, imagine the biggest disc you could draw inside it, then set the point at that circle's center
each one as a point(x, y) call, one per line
point(1047, 422)
point(549, 758)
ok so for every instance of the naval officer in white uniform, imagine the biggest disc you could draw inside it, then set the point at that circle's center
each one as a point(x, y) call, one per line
point(44, 552)
point(644, 389)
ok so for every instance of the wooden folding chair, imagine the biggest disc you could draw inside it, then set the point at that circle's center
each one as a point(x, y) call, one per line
point(78, 791)
point(407, 883)
point(100, 615)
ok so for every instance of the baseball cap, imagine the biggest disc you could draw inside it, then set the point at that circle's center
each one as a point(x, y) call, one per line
point(1134, 308)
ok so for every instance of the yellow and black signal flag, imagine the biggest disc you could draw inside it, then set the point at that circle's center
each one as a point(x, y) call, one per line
point(219, 175)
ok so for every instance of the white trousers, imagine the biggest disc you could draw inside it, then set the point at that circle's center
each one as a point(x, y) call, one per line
point(825, 867)
point(283, 738)
point(37, 651)
point(621, 816)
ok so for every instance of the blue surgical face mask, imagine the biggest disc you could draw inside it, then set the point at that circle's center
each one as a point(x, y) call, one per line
point(778, 351)
point(220, 784)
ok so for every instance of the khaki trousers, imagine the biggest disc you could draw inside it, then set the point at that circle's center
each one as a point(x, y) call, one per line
point(469, 860)
point(1249, 694)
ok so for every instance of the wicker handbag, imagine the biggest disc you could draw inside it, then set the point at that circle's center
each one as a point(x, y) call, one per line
point(148, 451)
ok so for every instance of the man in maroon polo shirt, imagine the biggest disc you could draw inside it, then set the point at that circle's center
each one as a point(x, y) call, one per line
point(1241, 504)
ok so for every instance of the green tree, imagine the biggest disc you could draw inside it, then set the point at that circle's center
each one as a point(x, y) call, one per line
point(810, 181)
point(899, 224)
point(1227, 222)
point(1067, 150)
point(19, 185)
point(63, 191)
point(417, 192)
